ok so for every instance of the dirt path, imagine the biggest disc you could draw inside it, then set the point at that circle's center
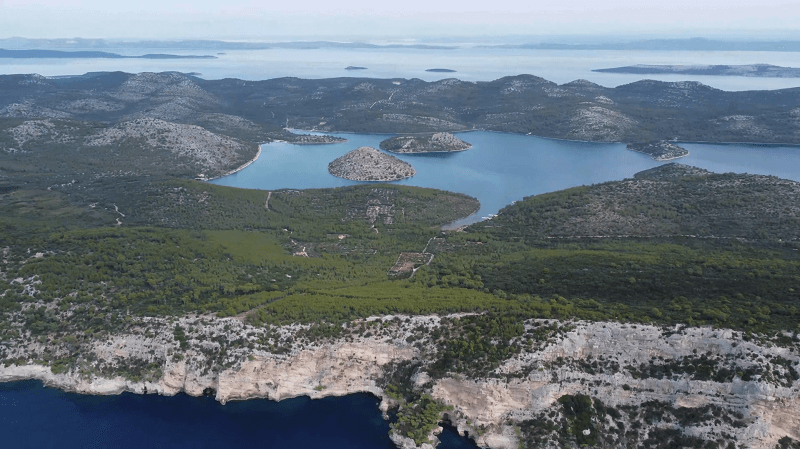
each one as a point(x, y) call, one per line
point(266, 203)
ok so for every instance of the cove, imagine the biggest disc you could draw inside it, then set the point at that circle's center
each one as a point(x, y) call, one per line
point(34, 416)
point(501, 168)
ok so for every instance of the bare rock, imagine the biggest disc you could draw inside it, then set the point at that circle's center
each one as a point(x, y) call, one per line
point(369, 164)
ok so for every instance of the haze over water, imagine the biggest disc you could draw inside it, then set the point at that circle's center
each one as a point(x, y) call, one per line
point(470, 64)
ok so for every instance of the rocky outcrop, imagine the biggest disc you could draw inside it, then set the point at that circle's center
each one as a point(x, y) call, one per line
point(425, 143)
point(369, 164)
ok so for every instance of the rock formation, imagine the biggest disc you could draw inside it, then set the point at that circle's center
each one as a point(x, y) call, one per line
point(369, 164)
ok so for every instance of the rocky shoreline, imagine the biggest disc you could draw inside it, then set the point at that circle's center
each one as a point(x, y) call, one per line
point(369, 164)
point(610, 362)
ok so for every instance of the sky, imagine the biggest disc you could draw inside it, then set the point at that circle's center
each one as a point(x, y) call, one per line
point(401, 19)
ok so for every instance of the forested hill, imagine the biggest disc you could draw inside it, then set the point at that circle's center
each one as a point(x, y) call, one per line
point(669, 200)
point(637, 112)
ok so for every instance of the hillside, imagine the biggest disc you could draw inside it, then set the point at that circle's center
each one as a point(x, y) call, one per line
point(638, 112)
point(669, 200)
point(657, 311)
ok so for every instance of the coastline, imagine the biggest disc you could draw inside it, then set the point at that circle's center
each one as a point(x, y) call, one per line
point(661, 159)
point(487, 408)
point(240, 168)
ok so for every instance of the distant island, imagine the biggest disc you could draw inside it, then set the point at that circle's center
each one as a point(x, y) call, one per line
point(351, 67)
point(53, 54)
point(425, 143)
point(441, 70)
point(198, 44)
point(369, 164)
point(751, 70)
point(660, 150)
point(689, 44)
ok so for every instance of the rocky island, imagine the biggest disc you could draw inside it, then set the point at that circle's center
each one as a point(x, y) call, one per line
point(352, 67)
point(659, 151)
point(311, 139)
point(441, 70)
point(425, 143)
point(369, 164)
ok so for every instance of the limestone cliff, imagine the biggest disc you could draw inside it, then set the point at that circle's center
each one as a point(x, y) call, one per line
point(644, 379)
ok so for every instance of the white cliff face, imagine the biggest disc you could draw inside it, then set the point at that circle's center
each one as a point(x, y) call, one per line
point(607, 361)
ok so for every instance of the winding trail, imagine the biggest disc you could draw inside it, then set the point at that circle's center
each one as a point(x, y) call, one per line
point(266, 203)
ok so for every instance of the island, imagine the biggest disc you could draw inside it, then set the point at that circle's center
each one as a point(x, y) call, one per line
point(57, 54)
point(751, 70)
point(425, 143)
point(369, 164)
point(352, 67)
point(659, 150)
point(441, 70)
point(311, 139)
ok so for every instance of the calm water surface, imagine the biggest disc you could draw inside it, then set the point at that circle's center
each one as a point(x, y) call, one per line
point(502, 168)
point(32, 416)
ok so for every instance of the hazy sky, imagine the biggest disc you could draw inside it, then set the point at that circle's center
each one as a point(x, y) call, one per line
point(229, 19)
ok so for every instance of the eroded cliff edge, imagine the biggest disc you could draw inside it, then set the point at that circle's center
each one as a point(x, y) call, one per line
point(641, 381)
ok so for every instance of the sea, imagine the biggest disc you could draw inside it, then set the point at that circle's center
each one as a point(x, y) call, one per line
point(499, 169)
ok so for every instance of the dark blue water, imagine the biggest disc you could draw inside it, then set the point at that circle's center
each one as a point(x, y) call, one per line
point(32, 416)
point(502, 168)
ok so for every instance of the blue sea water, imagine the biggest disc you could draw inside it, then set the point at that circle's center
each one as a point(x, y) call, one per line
point(32, 416)
point(502, 168)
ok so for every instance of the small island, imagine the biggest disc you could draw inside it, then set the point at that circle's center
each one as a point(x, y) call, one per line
point(750, 70)
point(369, 164)
point(441, 70)
point(352, 67)
point(659, 150)
point(311, 139)
point(425, 143)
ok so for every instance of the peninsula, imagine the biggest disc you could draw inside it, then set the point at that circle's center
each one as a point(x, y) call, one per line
point(425, 143)
point(369, 164)
point(660, 150)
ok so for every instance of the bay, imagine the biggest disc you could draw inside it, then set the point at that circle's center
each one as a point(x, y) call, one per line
point(33, 416)
point(502, 168)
